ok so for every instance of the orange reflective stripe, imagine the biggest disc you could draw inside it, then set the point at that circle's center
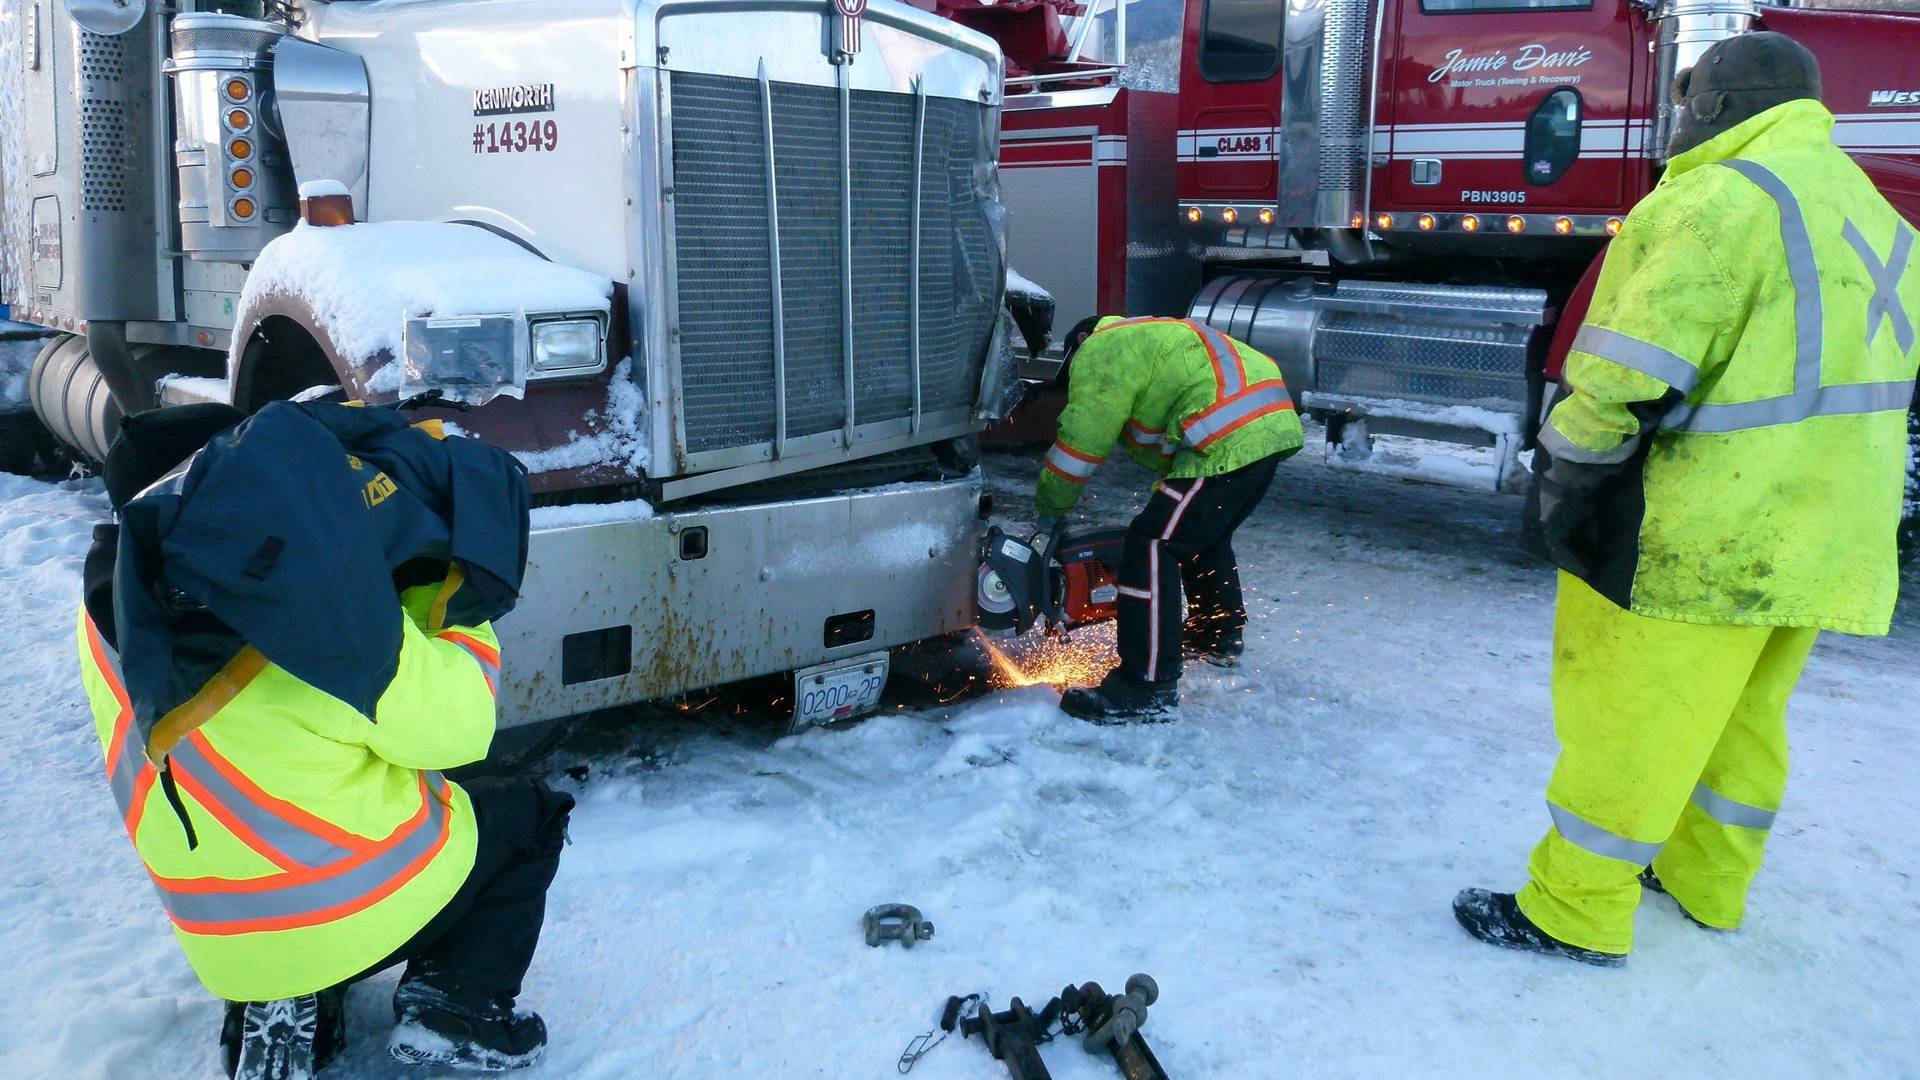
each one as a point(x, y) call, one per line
point(217, 694)
point(236, 825)
point(281, 809)
point(487, 656)
point(1223, 418)
point(129, 773)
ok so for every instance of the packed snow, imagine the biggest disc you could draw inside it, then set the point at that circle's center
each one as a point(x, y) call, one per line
point(619, 437)
point(362, 281)
point(1019, 283)
point(1281, 860)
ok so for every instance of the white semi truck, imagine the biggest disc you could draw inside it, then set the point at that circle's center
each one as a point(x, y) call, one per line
point(730, 272)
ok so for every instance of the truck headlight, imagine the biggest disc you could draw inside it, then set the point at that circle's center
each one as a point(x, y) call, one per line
point(568, 347)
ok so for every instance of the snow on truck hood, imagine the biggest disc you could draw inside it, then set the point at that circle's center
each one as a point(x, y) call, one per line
point(362, 281)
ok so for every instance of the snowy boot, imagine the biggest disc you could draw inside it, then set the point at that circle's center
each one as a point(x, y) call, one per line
point(437, 1030)
point(1221, 648)
point(1651, 880)
point(1122, 699)
point(1497, 920)
point(271, 1040)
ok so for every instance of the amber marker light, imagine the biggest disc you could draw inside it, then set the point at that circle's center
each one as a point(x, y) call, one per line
point(1470, 223)
point(1516, 223)
point(1614, 225)
point(243, 177)
point(243, 208)
point(240, 148)
point(1193, 214)
point(1359, 221)
point(237, 90)
point(1563, 226)
point(1384, 222)
point(1266, 215)
point(1229, 215)
point(239, 119)
point(1425, 221)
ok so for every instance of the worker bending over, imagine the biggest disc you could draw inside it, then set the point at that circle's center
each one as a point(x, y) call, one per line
point(273, 708)
point(1728, 458)
point(1213, 418)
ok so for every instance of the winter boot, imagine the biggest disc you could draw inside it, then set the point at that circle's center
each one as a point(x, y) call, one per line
point(1495, 919)
point(1221, 648)
point(1122, 699)
point(435, 1029)
point(1651, 880)
point(271, 1040)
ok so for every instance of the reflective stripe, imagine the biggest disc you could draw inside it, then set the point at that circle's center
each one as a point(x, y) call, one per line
point(1223, 418)
point(1229, 374)
point(1642, 356)
point(343, 873)
point(216, 694)
point(486, 655)
point(1885, 305)
point(1071, 465)
point(1808, 398)
point(286, 901)
point(1727, 812)
point(1559, 446)
point(207, 775)
point(1847, 399)
point(1148, 437)
point(1809, 330)
point(1583, 833)
point(1132, 593)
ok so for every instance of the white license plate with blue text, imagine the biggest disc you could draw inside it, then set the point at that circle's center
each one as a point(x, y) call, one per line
point(838, 691)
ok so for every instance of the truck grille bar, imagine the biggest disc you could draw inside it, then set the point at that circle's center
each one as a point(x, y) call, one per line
point(835, 262)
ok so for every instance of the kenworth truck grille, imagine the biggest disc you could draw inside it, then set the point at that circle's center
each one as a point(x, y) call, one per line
point(766, 370)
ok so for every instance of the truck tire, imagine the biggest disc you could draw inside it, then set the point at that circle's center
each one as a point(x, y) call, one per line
point(20, 437)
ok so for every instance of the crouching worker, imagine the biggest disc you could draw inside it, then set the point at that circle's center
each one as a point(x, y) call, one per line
point(1213, 418)
point(284, 636)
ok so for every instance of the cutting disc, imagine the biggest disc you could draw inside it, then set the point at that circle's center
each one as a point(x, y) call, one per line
point(994, 600)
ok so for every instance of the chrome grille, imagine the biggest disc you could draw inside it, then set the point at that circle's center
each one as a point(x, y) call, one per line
point(725, 272)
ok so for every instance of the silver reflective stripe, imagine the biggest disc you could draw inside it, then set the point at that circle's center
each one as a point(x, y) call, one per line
point(1565, 449)
point(487, 667)
point(1583, 833)
point(127, 763)
point(312, 897)
point(1809, 319)
point(1269, 396)
point(1644, 357)
point(1727, 812)
point(1846, 399)
point(1226, 359)
point(1885, 305)
point(191, 763)
point(1072, 466)
point(1156, 440)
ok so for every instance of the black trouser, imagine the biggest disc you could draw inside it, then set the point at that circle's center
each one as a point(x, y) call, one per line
point(480, 945)
point(1184, 536)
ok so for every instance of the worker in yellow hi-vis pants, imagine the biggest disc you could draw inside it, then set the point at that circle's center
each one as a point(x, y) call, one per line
point(1727, 463)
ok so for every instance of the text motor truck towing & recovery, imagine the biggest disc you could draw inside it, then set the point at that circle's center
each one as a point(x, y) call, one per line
point(1403, 202)
point(728, 279)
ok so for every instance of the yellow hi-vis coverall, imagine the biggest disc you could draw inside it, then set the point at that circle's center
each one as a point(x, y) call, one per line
point(1740, 388)
point(323, 841)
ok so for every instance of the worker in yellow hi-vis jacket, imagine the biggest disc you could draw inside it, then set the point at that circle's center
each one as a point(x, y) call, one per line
point(1213, 418)
point(1728, 457)
point(297, 844)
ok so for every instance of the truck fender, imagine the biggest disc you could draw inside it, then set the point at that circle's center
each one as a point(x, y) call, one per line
point(281, 348)
point(1572, 314)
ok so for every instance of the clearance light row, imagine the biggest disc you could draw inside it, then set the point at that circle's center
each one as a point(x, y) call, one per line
point(1513, 223)
point(242, 205)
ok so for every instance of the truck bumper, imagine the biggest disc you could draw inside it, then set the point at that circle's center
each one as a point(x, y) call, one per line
point(618, 612)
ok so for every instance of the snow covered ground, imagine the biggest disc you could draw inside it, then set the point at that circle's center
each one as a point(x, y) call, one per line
point(1281, 861)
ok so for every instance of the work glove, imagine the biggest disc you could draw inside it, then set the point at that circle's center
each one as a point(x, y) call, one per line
point(1569, 514)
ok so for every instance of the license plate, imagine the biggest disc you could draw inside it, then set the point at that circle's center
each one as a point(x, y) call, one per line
point(838, 691)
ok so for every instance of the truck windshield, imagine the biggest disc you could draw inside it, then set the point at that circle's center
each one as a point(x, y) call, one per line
point(1240, 40)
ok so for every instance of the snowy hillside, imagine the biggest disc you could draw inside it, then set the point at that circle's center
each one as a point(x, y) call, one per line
point(1281, 861)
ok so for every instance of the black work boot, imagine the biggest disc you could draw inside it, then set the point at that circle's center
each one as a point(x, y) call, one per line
point(271, 1040)
point(1221, 648)
point(1497, 920)
point(436, 1029)
point(1122, 699)
point(1651, 880)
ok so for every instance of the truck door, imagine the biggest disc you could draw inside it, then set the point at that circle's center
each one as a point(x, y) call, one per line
point(1230, 86)
point(1523, 104)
